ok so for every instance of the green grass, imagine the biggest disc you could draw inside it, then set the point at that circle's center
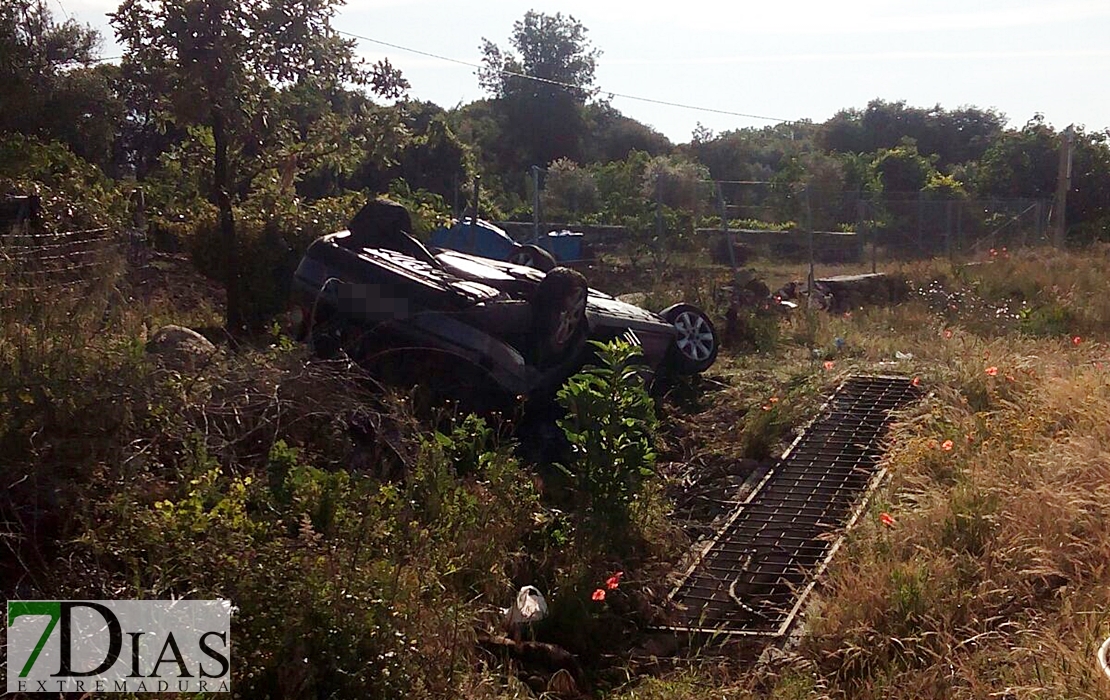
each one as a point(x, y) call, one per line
point(301, 488)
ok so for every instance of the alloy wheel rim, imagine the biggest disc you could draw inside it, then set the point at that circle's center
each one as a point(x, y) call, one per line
point(569, 316)
point(695, 336)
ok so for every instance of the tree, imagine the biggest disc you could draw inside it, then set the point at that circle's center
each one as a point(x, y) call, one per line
point(902, 170)
point(953, 136)
point(676, 182)
point(611, 135)
point(1024, 164)
point(223, 60)
point(542, 85)
point(1021, 163)
point(570, 190)
point(50, 85)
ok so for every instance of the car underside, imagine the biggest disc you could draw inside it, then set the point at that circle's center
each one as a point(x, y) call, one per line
point(384, 298)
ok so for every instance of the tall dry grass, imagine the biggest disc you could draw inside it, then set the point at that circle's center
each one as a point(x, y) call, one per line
point(993, 582)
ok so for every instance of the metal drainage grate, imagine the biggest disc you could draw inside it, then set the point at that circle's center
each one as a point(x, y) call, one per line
point(756, 573)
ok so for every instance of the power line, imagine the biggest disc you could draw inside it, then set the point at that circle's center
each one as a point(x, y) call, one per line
point(557, 83)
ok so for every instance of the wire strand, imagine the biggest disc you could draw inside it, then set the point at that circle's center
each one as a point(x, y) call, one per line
point(556, 83)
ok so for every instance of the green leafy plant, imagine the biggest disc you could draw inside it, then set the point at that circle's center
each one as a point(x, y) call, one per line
point(610, 423)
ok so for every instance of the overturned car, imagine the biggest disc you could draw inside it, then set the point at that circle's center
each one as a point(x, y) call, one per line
point(382, 296)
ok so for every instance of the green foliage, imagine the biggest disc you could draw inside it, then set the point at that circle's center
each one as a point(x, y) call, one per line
point(620, 187)
point(612, 136)
point(677, 183)
point(1050, 319)
point(610, 424)
point(50, 87)
point(954, 136)
point(271, 240)
point(570, 190)
point(355, 578)
point(552, 47)
point(902, 169)
point(427, 209)
point(222, 62)
point(540, 121)
point(468, 445)
point(944, 187)
point(74, 193)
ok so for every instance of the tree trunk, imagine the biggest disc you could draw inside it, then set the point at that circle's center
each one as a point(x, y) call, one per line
point(233, 314)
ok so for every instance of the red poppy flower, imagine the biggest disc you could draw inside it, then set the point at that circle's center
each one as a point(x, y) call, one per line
point(613, 581)
point(947, 333)
point(916, 381)
point(992, 371)
point(599, 595)
point(947, 445)
point(829, 364)
point(886, 519)
point(1076, 340)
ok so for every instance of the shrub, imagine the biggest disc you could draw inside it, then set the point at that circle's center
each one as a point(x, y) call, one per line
point(610, 423)
point(74, 193)
point(270, 238)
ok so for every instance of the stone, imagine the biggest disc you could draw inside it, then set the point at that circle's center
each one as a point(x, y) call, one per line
point(180, 347)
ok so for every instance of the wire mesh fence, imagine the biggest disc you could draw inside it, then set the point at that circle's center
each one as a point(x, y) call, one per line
point(741, 223)
point(51, 272)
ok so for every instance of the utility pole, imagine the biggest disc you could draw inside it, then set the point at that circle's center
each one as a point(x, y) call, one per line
point(1063, 184)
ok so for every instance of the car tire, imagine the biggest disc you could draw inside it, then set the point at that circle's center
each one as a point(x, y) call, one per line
point(559, 314)
point(533, 256)
point(695, 349)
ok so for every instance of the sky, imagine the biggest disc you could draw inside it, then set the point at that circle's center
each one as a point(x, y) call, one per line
point(773, 61)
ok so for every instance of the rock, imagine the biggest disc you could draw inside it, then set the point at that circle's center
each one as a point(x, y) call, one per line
point(179, 347)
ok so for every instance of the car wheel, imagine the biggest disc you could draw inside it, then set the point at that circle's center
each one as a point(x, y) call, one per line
point(533, 256)
point(559, 314)
point(695, 348)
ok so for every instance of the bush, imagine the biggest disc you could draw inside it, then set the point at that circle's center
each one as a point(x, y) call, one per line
point(74, 193)
point(270, 241)
point(610, 423)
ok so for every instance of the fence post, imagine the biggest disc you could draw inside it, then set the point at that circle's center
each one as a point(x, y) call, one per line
point(948, 228)
point(474, 215)
point(864, 231)
point(961, 244)
point(535, 204)
point(1063, 184)
point(872, 234)
point(921, 221)
point(455, 203)
point(724, 228)
point(658, 212)
point(1039, 214)
point(809, 226)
